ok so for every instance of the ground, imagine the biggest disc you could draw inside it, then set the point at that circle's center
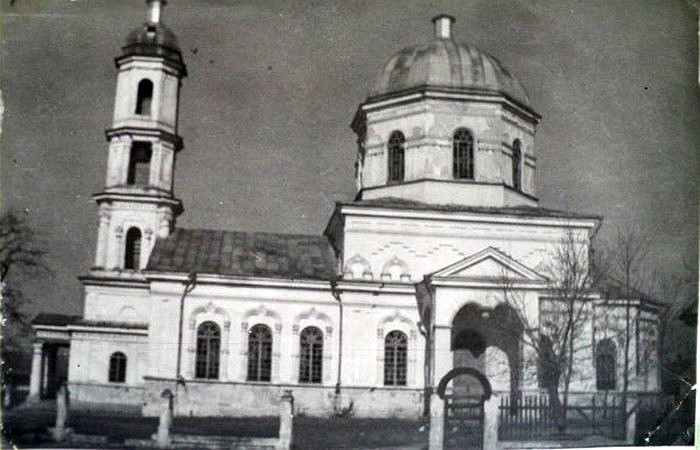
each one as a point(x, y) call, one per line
point(26, 427)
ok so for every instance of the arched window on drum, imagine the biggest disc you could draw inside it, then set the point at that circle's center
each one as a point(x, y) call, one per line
point(396, 154)
point(463, 155)
point(517, 165)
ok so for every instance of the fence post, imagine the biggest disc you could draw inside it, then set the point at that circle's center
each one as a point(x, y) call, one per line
point(437, 422)
point(166, 420)
point(631, 421)
point(286, 433)
point(59, 432)
point(491, 422)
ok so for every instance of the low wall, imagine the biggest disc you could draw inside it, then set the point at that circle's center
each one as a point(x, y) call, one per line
point(211, 398)
point(106, 393)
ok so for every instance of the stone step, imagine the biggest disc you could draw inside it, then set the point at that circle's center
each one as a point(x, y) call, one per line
point(223, 442)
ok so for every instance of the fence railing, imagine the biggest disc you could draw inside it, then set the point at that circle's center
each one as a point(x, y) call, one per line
point(532, 417)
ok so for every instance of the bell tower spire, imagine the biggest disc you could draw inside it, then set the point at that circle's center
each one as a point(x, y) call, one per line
point(154, 7)
point(138, 202)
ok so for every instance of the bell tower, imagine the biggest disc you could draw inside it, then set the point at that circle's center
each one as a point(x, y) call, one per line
point(137, 203)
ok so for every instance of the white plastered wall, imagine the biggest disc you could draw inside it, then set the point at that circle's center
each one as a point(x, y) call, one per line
point(165, 94)
point(117, 304)
point(286, 312)
point(90, 354)
point(427, 245)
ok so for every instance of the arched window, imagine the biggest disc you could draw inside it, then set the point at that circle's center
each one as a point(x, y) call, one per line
point(463, 155)
point(395, 361)
point(605, 364)
point(259, 353)
point(139, 164)
point(311, 355)
point(208, 344)
point(517, 161)
point(117, 367)
point(132, 251)
point(396, 156)
point(144, 97)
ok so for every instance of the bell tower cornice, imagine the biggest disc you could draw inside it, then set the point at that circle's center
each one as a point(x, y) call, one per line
point(154, 133)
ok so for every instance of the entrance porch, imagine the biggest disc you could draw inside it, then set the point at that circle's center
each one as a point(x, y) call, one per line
point(50, 353)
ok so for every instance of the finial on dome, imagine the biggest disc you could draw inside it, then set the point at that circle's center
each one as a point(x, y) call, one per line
point(154, 9)
point(443, 26)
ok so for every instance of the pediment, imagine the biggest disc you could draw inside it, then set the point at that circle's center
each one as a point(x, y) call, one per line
point(488, 264)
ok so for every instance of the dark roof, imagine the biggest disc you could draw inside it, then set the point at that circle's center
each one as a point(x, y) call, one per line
point(530, 211)
point(153, 39)
point(242, 253)
point(59, 320)
point(615, 290)
point(111, 324)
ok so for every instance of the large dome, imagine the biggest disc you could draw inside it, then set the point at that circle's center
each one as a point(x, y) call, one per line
point(444, 63)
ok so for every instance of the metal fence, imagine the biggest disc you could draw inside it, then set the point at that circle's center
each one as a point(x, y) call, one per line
point(532, 417)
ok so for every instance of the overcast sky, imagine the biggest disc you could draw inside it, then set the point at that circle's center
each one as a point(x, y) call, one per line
point(273, 86)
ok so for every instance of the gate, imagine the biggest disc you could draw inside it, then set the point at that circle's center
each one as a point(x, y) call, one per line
point(464, 411)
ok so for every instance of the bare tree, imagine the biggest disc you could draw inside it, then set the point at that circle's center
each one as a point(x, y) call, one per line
point(555, 332)
point(627, 256)
point(22, 257)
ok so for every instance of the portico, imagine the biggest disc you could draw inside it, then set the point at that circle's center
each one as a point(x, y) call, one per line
point(50, 354)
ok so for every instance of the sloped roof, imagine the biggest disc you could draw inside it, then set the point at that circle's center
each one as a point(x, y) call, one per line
point(241, 253)
point(59, 320)
point(530, 211)
point(616, 290)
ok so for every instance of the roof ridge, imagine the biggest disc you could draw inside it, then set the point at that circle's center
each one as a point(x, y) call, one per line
point(269, 233)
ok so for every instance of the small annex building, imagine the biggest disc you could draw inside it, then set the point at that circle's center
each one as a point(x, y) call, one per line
point(404, 285)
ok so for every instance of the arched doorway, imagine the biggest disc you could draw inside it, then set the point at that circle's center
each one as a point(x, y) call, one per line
point(489, 341)
point(464, 411)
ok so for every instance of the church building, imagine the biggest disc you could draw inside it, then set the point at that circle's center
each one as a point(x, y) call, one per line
point(405, 284)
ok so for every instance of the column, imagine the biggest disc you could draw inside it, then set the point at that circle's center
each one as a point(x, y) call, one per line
point(243, 353)
point(102, 238)
point(328, 351)
point(165, 420)
point(286, 431)
point(437, 422)
point(59, 431)
point(379, 371)
point(276, 345)
point(631, 422)
point(189, 342)
point(442, 354)
point(225, 345)
point(115, 249)
point(35, 379)
point(165, 216)
point(412, 360)
point(491, 422)
point(154, 177)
